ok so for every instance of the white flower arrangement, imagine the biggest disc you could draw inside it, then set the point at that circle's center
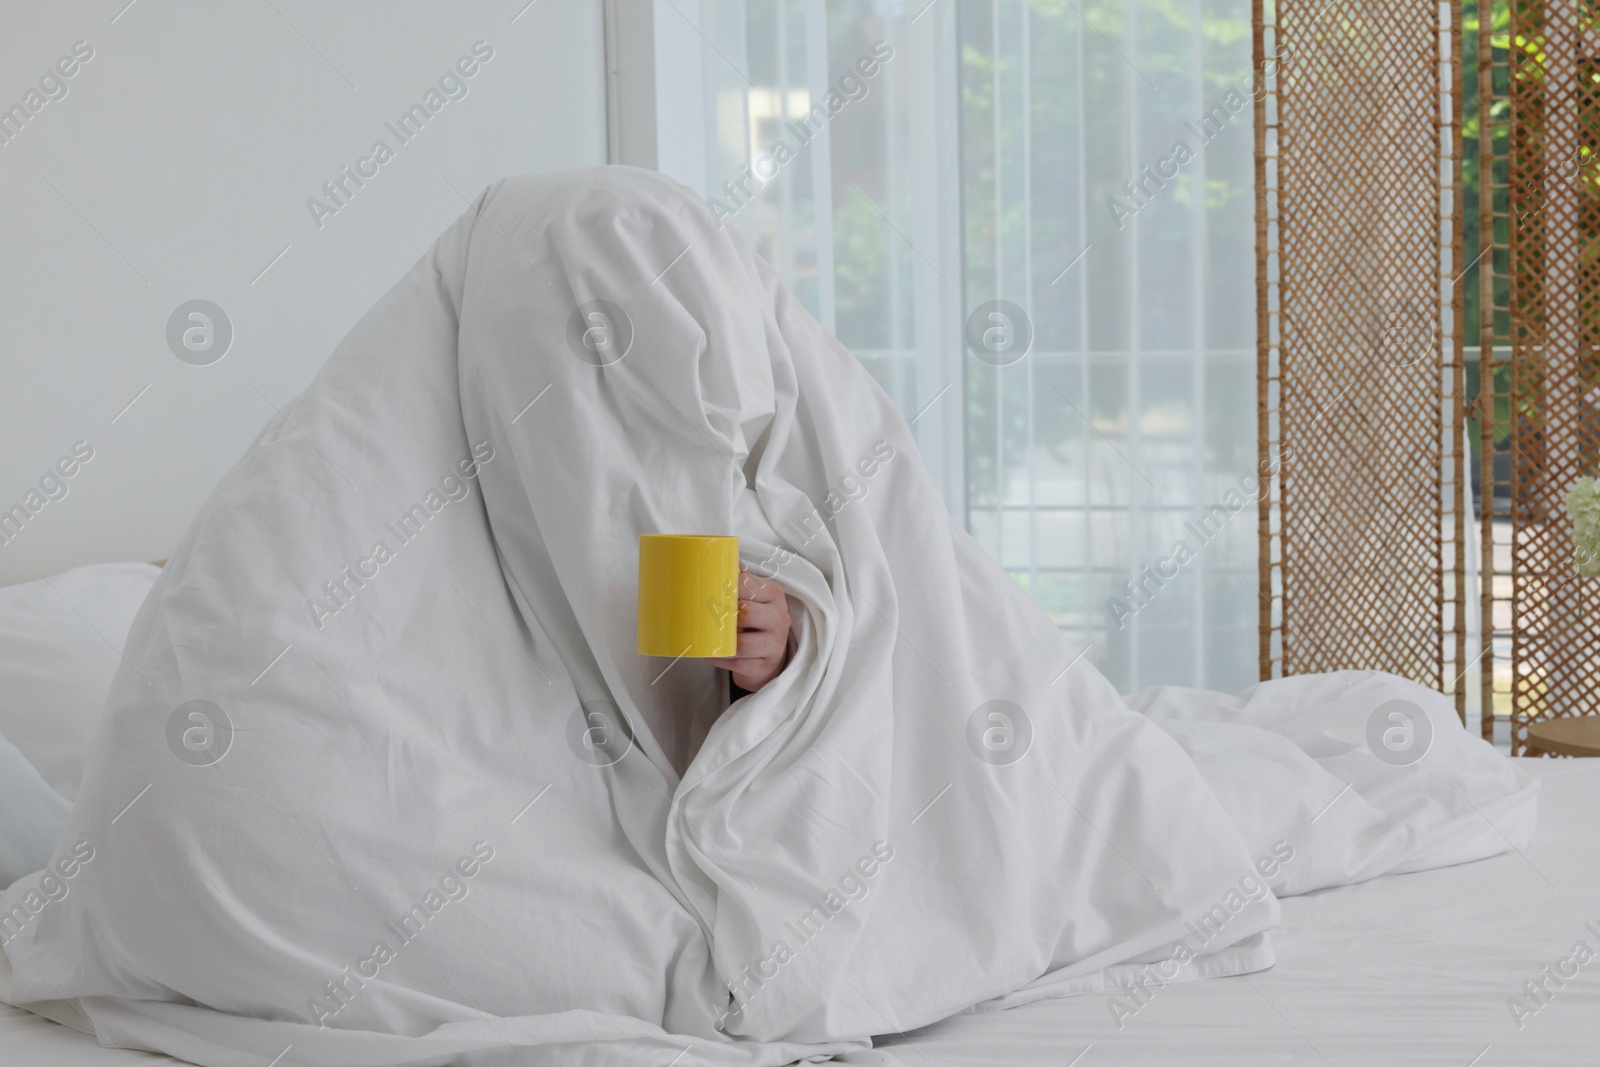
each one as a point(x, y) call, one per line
point(1583, 504)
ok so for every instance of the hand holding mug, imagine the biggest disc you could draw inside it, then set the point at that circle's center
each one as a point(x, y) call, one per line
point(764, 635)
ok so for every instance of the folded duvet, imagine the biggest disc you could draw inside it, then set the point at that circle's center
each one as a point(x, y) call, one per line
point(383, 781)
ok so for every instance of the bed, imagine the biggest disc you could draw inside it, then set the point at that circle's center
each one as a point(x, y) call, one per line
point(1412, 969)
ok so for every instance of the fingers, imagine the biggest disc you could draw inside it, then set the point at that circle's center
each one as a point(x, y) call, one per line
point(758, 660)
point(763, 615)
point(754, 588)
point(760, 645)
point(763, 644)
point(750, 663)
point(755, 645)
point(751, 674)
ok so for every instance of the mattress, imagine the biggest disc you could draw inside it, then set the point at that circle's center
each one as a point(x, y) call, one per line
point(1465, 966)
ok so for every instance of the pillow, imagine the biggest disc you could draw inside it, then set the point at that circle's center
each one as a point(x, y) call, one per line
point(32, 817)
point(60, 643)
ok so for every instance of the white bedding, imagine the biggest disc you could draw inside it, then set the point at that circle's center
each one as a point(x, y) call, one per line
point(347, 794)
point(60, 643)
point(1411, 969)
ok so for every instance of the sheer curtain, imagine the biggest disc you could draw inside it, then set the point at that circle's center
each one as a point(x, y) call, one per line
point(1032, 221)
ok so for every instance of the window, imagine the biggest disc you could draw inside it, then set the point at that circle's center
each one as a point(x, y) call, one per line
point(1006, 155)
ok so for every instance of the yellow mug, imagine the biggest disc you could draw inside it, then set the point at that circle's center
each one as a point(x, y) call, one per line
point(688, 595)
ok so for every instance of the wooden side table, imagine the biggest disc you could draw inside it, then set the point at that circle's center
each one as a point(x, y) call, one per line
point(1576, 735)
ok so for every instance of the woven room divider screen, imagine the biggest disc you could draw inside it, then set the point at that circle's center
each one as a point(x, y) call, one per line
point(1359, 339)
point(1543, 411)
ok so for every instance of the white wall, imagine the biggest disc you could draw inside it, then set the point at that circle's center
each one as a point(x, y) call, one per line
point(177, 166)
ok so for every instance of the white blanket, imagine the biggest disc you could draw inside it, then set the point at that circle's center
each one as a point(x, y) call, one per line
point(384, 782)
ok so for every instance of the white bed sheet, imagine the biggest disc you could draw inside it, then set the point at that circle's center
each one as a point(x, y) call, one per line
point(1406, 969)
